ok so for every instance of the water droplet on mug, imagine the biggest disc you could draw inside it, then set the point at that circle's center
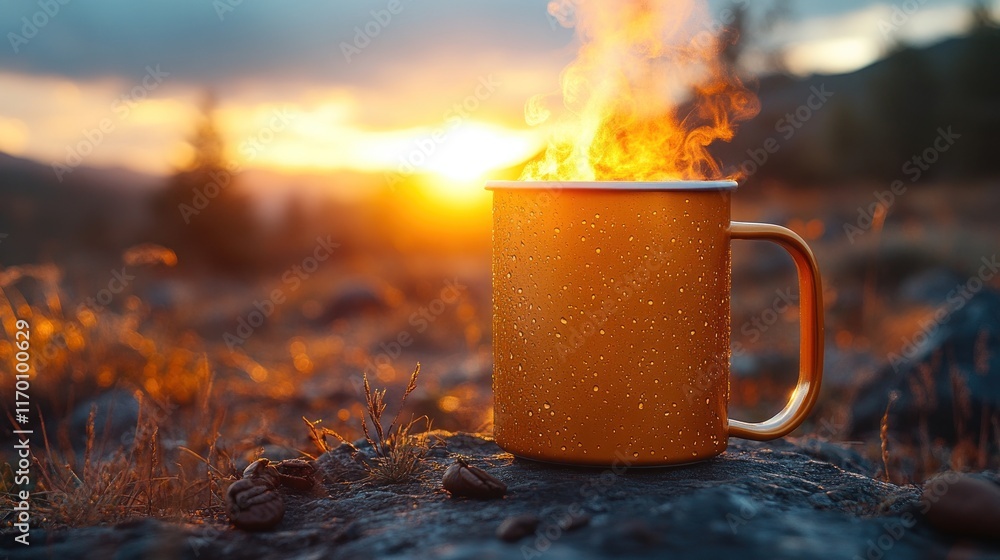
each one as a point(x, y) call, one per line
point(563, 320)
point(558, 230)
point(640, 406)
point(598, 250)
point(596, 388)
point(547, 405)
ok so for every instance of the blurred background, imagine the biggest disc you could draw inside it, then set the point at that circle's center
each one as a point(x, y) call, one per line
point(219, 214)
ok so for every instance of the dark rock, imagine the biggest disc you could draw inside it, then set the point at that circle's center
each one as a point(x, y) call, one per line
point(930, 287)
point(115, 418)
point(356, 297)
point(946, 377)
point(962, 506)
point(343, 464)
point(761, 501)
point(844, 457)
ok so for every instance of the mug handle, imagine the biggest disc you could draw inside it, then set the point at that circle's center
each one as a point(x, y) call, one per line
point(803, 398)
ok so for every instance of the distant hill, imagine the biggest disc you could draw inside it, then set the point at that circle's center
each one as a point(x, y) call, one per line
point(878, 117)
point(44, 218)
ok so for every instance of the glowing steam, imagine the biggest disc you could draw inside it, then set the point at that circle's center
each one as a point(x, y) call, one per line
point(646, 96)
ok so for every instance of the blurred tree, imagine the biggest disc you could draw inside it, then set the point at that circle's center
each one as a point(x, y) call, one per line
point(297, 228)
point(976, 101)
point(848, 142)
point(735, 35)
point(202, 213)
point(981, 17)
point(907, 96)
point(745, 44)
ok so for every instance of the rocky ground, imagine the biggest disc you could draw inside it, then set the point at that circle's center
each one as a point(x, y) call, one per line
point(786, 499)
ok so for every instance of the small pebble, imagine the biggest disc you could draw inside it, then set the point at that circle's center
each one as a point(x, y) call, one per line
point(574, 522)
point(517, 527)
point(962, 506)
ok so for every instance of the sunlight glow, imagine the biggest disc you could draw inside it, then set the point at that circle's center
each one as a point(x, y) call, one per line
point(472, 151)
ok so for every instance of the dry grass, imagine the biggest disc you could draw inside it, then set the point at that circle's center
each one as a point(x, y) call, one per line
point(884, 436)
point(399, 451)
point(91, 487)
point(106, 477)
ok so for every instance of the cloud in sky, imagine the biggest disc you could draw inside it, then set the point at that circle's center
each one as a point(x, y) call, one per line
point(262, 56)
point(295, 43)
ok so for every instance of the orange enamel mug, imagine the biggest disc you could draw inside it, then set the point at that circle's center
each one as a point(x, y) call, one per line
point(611, 322)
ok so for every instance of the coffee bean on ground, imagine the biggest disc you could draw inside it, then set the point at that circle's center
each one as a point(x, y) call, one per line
point(252, 504)
point(464, 480)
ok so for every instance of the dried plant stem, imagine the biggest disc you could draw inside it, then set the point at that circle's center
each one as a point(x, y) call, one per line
point(884, 434)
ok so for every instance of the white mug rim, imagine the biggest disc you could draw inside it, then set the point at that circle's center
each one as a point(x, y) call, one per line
point(649, 186)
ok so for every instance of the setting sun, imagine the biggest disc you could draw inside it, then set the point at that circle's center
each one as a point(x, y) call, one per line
point(474, 150)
